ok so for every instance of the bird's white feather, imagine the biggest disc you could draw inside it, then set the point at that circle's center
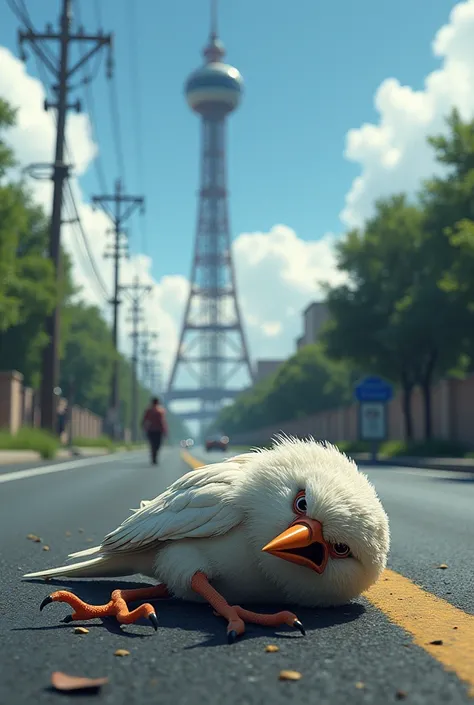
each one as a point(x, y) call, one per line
point(85, 552)
point(95, 568)
point(195, 506)
point(238, 506)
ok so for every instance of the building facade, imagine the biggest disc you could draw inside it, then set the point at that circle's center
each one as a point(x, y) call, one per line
point(314, 317)
point(265, 368)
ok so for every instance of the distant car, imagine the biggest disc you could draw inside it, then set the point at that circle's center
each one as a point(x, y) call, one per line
point(217, 443)
point(187, 443)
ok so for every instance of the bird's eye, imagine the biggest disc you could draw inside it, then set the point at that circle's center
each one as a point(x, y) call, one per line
point(299, 505)
point(340, 550)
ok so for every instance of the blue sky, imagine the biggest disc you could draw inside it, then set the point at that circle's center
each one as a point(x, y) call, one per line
point(311, 70)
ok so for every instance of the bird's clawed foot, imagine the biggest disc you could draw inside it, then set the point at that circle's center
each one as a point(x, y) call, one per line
point(116, 607)
point(237, 616)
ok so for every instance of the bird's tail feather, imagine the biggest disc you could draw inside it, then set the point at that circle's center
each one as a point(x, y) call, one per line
point(85, 552)
point(101, 567)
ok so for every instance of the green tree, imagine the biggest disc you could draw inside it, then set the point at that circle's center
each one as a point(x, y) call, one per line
point(12, 219)
point(306, 383)
point(392, 317)
point(367, 326)
point(7, 119)
point(88, 356)
point(449, 208)
point(30, 291)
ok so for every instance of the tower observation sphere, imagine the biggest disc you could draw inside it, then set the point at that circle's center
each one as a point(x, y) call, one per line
point(212, 347)
point(215, 89)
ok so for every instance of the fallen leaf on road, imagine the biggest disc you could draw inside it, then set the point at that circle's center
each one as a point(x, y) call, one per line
point(290, 675)
point(68, 533)
point(89, 540)
point(45, 548)
point(81, 531)
point(33, 537)
point(122, 652)
point(61, 681)
point(400, 695)
point(81, 630)
point(271, 648)
point(360, 685)
point(443, 566)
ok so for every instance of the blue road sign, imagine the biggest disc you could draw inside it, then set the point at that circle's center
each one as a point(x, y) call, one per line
point(373, 389)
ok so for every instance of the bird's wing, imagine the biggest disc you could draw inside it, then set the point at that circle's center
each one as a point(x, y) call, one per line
point(197, 505)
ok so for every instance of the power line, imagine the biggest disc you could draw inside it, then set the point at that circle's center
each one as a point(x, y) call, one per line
point(62, 71)
point(85, 241)
point(25, 17)
point(134, 53)
point(76, 216)
point(119, 207)
point(115, 120)
point(80, 252)
point(90, 103)
point(138, 291)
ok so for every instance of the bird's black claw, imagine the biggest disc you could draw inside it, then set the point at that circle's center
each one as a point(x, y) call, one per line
point(154, 620)
point(298, 625)
point(67, 619)
point(46, 601)
point(231, 636)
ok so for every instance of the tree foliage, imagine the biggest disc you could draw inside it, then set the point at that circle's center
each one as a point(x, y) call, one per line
point(28, 294)
point(393, 317)
point(306, 383)
point(406, 310)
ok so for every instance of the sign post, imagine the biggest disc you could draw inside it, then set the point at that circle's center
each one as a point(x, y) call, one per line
point(373, 393)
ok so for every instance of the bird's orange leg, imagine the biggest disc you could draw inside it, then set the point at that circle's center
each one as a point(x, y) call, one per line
point(237, 616)
point(117, 606)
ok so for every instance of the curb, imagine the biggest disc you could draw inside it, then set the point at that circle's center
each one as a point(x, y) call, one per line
point(415, 463)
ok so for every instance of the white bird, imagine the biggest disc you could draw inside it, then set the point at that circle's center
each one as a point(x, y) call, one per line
point(297, 523)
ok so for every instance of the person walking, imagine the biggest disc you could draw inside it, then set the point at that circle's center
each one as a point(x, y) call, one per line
point(155, 426)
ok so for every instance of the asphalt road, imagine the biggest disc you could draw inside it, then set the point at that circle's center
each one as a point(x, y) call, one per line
point(353, 654)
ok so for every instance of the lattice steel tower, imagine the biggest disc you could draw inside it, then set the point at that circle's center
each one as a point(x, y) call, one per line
point(212, 347)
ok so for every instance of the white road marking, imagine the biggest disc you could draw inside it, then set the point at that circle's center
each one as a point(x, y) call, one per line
point(420, 472)
point(60, 467)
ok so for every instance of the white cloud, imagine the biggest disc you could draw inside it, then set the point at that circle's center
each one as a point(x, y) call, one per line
point(394, 155)
point(277, 273)
point(33, 142)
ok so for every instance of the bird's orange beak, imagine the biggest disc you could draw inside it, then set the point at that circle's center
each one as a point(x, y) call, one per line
point(302, 543)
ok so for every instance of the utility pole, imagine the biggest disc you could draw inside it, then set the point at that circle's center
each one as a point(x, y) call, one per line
point(62, 74)
point(148, 337)
point(138, 291)
point(119, 207)
point(155, 377)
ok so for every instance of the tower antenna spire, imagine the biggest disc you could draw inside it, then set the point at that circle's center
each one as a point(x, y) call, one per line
point(212, 347)
point(214, 19)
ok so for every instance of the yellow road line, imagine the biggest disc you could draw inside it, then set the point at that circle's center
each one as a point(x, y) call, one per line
point(191, 460)
point(426, 617)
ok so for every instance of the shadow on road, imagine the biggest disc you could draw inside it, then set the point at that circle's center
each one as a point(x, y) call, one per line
point(176, 614)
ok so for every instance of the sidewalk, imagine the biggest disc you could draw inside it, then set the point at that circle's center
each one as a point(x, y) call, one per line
point(454, 464)
point(10, 457)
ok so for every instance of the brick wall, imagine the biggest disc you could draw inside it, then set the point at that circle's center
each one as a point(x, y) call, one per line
point(452, 412)
point(19, 406)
